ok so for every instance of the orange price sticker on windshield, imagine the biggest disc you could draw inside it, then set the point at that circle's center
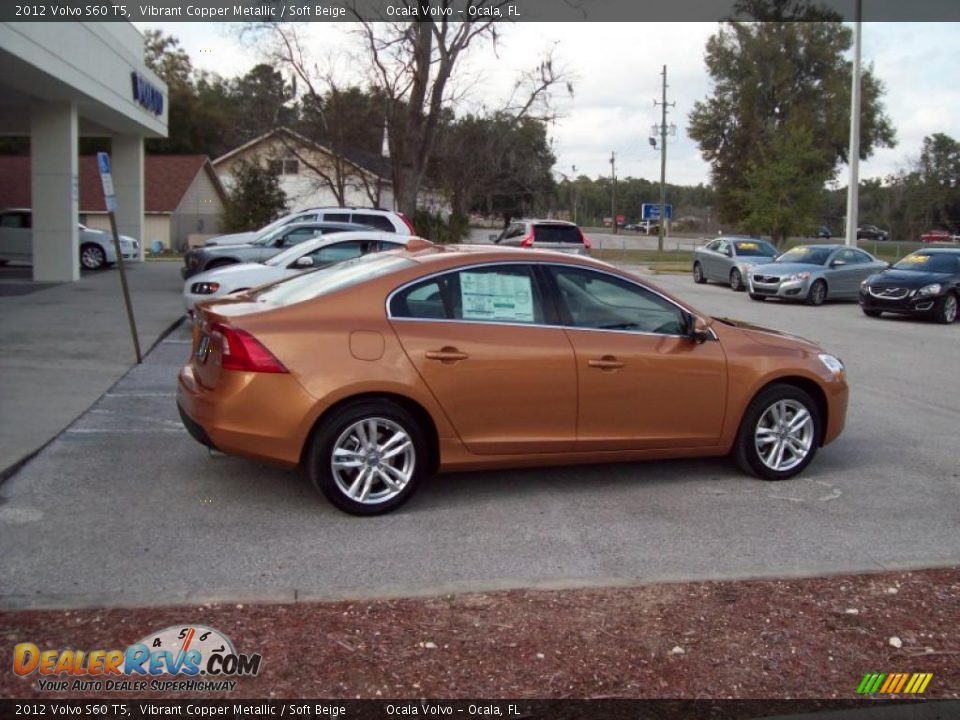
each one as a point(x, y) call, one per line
point(916, 259)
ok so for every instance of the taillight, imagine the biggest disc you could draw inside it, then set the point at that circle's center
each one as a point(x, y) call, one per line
point(586, 241)
point(528, 240)
point(239, 350)
point(407, 222)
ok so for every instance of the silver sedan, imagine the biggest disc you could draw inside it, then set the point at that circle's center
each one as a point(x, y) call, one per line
point(730, 260)
point(814, 273)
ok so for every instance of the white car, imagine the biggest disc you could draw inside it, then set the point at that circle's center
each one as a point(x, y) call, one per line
point(96, 246)
point(385, 220)
point(310, 255)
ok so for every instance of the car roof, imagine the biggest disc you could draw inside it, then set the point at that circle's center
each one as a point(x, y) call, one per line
point(323, 224)
point(452, 255)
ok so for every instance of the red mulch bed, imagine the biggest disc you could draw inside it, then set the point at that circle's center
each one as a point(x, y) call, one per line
point(748, 639)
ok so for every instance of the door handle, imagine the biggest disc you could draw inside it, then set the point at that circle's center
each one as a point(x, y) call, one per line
point(607, 362)
point(446, 355)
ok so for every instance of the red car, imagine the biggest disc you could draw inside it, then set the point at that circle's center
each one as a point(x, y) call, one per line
point(936, 236)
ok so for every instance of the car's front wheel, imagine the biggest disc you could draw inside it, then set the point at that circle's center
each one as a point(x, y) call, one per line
point(698, 276)
point(92, 257)
point(946, 309)
point(817, 294)
point(368, 457)
point(779, 433)
point(736, 281)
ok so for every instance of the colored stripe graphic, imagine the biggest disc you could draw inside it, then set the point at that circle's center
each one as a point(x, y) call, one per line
point(894, 683)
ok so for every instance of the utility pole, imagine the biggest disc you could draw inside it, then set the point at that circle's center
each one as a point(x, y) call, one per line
point(574, 168)
point(613, 191)
point(853, 187)
point(663, 158)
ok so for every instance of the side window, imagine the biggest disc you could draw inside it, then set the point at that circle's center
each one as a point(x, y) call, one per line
point(861, 257)
point(423, 301)
point(846, 256)
point(515, 230)
point(309, 217)
point(295, 237)
point(337, 217)
point(384, 246)
point(604, 302)
point(13, 220)
point(723, 247)
point(338, 252)
point(713, 246)
point(375, 221)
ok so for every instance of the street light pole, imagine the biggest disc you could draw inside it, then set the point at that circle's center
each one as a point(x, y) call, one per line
point(613, 191)
point(663, 159)
point(853, 187)
point(574, 168)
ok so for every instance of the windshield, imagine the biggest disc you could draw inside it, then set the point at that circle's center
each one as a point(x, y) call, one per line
point(806, 255)
point(930, 262)
point(269, 237)
point(330, 279)
point(754, 248)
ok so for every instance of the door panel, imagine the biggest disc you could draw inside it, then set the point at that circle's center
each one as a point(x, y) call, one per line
point(514, 392)
point(669, 392)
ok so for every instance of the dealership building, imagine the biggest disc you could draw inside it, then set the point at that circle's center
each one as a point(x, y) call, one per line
point(63, 81)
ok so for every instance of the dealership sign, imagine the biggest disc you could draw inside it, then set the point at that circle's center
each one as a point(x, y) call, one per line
point(146, 93)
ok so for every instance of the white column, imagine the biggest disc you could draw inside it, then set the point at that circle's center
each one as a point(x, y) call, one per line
point(127, 166)
point(55, 190)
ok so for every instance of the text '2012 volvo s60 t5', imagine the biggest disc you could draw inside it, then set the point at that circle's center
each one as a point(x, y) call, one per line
point(378, 371)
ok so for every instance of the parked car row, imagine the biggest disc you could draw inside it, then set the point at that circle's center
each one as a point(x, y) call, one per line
point(924, 283)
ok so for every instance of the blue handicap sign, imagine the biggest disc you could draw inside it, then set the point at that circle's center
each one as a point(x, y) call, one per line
point(103, 163)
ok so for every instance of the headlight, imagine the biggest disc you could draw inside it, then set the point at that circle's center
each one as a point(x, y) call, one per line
point(746, 265)
point(865, 283)
point(932, 289)
point(204, 288)
point(799, 276)
point(833, 364)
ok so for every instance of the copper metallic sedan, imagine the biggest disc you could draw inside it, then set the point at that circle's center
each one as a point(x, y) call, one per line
point(378, 371)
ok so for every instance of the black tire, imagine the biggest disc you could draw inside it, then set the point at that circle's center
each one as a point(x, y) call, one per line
point(945, 311)
point(745, 450)
point(817, 294)
point(334, 428)
point(698, 276)
point(92, 257)
point(736, 281)
point(758, 298)
point(871, 313)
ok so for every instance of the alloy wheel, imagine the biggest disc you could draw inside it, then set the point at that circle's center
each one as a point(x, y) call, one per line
point(92, 257)
point(784, 435)
point(373, 460)
point(949, 309)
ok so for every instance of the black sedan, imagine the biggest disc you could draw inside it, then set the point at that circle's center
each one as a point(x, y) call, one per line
point(925, 283)
point(871, 232)
point(209, 257)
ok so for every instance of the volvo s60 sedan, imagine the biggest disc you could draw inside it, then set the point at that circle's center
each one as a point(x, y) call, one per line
point(925, 283)
point(813, 274)
point(730, 259)
point(373, 373)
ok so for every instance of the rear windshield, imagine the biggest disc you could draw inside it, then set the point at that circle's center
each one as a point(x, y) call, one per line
point(806, 255)
point(754, 248)
point(330, 279)
point(930, 262)
point(557, 234)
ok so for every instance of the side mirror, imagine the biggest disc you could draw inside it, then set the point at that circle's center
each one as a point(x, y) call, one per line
point(698, 329)
point(278, 242)
point(303, 262)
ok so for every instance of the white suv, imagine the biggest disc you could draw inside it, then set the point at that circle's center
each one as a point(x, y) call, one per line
point(383, 220)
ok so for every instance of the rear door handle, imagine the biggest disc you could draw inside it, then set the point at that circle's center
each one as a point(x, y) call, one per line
point(447, 355)
point(607, 362)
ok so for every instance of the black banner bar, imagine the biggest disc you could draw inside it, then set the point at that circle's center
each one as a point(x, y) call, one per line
point(455, 10)
point(607, 709)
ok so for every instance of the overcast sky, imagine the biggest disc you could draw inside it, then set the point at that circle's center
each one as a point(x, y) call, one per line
point(616, 68)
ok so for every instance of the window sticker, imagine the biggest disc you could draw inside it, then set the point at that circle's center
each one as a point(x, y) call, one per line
point(747, 246)
point(919, 259)
point(491, 296)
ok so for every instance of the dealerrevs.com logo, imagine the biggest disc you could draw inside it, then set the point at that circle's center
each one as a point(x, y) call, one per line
point(204, 658)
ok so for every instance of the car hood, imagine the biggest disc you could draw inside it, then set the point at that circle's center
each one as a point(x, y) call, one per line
point(232, 239)
point(239, 270)
point(906, 278)
point(785, 268)
point(228, 249)
point(769, 336)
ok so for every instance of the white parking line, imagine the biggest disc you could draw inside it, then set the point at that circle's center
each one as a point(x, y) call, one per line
point(139, 394)
point(124, 431)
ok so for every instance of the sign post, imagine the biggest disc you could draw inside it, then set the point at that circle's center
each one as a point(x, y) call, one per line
point(110, 199)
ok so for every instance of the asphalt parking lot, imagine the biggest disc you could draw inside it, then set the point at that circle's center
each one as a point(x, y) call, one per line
point(124, 508)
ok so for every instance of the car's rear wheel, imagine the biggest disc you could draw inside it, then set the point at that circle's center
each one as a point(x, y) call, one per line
point(698, 276)
point(736, 281)
point(817, 294)
point(92, 257)
point(758, 298)
point(872, 313)
point(779, 433)
point(946, 309)
point(368, 458)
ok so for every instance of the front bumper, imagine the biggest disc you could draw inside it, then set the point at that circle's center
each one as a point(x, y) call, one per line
point(778, 287)
point(906, 302)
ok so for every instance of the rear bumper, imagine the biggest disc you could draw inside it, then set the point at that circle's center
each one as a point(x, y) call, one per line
point(196, 432)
